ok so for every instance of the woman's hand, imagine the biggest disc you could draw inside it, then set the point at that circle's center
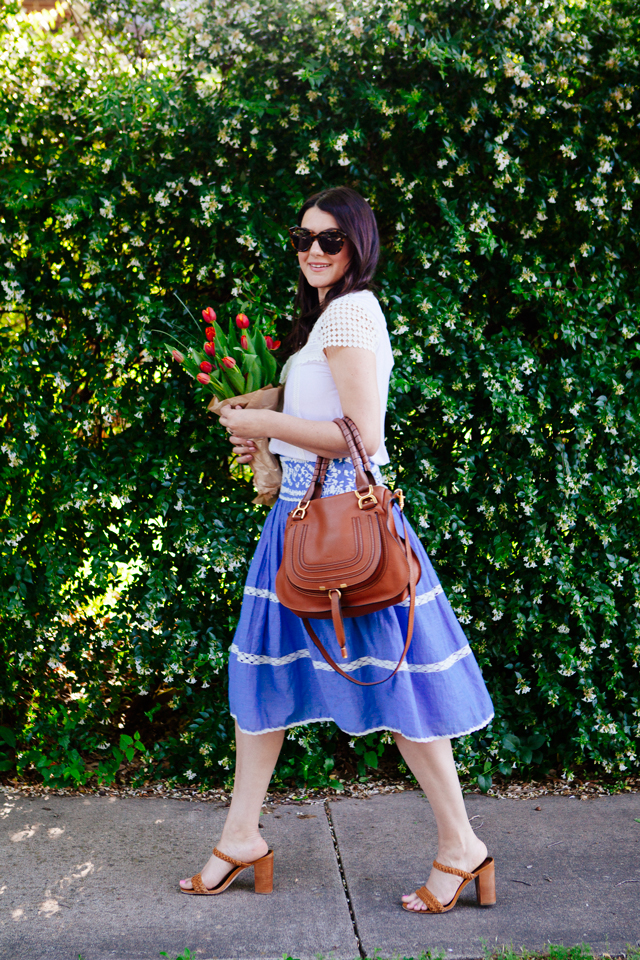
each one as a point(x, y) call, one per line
point(245, 423)
point(244, 426)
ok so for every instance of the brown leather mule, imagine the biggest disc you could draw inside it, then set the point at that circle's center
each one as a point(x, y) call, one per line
point(262, 876)
point(484, 876)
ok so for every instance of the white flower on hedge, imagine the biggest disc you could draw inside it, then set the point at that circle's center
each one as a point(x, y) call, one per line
point(589, 695)
point(479, 224)
point(303, 168)
point(497, 614)
point(190, 775)
point(581, 204)
point(568, 151)
point(247, 241)
point(539, 110)
point(605, 166)
point(502, 158)
point(522, 686)
point(627, 205)
point(356, 26)
point(162, 197)
point(528, 275)
point(196, 181)
point(343, 160)
point(598, 201)
point(106, 210)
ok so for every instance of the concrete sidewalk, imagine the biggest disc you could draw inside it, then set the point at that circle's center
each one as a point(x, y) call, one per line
point(97, 877)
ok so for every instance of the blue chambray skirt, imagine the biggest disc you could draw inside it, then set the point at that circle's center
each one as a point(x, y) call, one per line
point(278, 679)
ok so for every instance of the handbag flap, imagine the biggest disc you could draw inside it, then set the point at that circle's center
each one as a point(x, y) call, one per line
point(336, 544)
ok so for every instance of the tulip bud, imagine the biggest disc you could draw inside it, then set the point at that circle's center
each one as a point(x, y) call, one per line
point(244, 343)
point(206, 367)
point(178, 356)
point(243, 321)
point(209, 349)
point(209, 315)
point(271, 343)
point(203, 378)
point(228, 362)
point(210, 333)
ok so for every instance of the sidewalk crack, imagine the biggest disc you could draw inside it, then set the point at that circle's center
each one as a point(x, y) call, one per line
point(345, 885)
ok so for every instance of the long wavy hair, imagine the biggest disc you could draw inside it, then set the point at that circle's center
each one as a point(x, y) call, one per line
point(353, 214)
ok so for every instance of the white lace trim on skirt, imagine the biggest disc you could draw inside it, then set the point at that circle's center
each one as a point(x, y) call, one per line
point(259, 660)
point(421, 599)
point(363, 733)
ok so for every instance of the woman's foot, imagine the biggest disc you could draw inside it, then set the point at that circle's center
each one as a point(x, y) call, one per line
point(246, 849)
point(444, 885)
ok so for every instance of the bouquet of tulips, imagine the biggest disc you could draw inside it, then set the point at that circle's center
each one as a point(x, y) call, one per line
point(230, 364)
point(238, 367)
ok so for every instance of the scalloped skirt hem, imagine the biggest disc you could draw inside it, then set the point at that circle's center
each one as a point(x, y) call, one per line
point(363, 733)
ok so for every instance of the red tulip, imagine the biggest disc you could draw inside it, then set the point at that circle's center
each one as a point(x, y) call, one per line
point(203, 378)
point(243, 321)
point(228, 362)
point(178, 356)
point(206, 366)
point(209, 349)
point(210, 333)
point(271, 343)
point(209, 315)
point(244, 342)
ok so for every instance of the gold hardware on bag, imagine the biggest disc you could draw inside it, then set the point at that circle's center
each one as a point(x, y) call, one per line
point(335, 591)
point(400, 495)
point(322, 588)
point(300, 511)
point(366, 499)
point(343, 585)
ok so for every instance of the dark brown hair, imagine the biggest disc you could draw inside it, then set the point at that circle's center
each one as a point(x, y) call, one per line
point(353, 214)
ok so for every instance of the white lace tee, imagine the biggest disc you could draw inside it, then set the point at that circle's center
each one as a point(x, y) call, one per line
point(354, 320)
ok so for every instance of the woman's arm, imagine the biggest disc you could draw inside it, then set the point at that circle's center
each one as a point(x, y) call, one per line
point(354, 372)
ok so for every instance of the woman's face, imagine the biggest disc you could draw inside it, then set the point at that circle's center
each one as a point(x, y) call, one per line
point(322, 270)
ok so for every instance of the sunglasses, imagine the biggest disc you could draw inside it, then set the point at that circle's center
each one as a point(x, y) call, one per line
point(331, 241)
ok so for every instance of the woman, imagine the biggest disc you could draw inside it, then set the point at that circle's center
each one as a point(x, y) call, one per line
point(340, 364)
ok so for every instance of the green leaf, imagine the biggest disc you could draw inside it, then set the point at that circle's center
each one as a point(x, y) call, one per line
point(8, 736)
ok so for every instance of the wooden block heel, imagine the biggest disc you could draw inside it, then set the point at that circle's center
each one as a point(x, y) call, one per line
point(486, 883)
point(484, 876)
point(262, 876)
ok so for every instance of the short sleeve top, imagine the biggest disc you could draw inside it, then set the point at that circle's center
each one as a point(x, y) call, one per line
point(354, 320)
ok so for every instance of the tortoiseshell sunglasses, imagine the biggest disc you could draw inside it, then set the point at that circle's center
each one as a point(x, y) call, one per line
point(331, 241)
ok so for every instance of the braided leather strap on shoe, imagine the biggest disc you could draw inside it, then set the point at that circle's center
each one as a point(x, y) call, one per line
point(432, 903)
point(453, 870)
point(223, 856)
point(198, 885)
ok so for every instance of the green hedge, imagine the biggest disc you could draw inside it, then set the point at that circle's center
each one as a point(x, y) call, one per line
point(147, 152)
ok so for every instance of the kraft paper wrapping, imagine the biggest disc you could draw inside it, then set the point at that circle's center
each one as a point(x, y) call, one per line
point(267, 472)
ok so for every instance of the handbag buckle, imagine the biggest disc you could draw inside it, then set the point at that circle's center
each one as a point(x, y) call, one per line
point(366, 499)
point(300, 511)
point(400, 495)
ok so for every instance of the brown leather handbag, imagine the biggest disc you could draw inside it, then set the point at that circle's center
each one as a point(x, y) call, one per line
point(342, 554)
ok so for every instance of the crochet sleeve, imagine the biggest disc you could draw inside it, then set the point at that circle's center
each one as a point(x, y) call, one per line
point(346, 324)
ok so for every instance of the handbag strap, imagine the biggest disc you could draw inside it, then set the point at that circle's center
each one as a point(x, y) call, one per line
point(359, 458)
point(339, 626)
point(364, 456)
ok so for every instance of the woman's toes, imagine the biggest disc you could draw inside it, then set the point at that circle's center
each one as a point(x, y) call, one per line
point(186, 884)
